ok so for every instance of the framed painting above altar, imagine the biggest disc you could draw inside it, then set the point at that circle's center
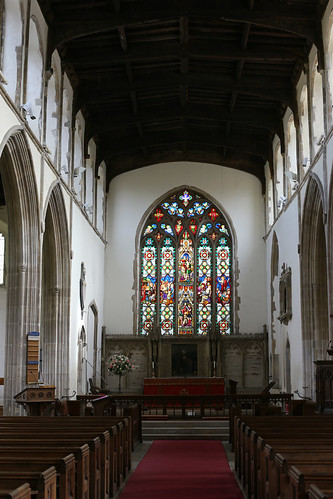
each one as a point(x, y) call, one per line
point(184, 360)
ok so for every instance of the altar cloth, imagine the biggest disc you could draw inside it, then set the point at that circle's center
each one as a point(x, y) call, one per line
point(183, 386)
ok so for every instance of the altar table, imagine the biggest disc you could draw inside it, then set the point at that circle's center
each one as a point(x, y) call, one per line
point(183, 386)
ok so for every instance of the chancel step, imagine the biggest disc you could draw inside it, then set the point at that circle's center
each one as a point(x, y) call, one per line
point(185, 429)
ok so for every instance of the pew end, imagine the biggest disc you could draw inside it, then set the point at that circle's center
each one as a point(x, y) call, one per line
point(21, 492)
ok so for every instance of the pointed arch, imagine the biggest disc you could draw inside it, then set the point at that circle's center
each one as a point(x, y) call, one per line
point(82, 378)
point(55, 293)
point(186, 262)
point(93, 353)
point(314, 294)
point(330, 247)
point(23, 296)
point(274, 284)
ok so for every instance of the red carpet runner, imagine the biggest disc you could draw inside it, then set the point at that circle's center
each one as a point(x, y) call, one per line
point(180, 469)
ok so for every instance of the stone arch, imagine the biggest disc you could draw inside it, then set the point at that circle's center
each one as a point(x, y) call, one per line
point(314, 294)
point(23, 294)
point(228, 323)
point(81, 362)
point(330, 250)
point(55, 293)
point(92, 343)
point(274, 358)
point(136, 296)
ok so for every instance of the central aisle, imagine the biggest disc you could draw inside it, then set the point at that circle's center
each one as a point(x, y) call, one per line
point(180, 469)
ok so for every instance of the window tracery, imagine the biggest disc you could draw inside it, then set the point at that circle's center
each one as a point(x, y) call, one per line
point(185, 265)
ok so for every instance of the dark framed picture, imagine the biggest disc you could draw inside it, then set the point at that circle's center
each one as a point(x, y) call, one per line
point(184, 360)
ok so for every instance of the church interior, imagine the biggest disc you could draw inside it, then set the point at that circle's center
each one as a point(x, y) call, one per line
point(166, 197)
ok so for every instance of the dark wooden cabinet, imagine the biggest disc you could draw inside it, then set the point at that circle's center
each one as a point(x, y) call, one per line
point(324, 385)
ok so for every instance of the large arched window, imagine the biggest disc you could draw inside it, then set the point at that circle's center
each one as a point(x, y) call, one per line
point(186, 256)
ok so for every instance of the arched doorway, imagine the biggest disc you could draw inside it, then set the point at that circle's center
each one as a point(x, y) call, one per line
point(23, 275)
point(92, 344)
point(313, 283)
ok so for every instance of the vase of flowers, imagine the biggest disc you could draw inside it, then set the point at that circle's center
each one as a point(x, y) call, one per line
point(120, 365)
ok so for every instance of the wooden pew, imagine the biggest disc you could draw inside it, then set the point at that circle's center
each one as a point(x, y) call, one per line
point(264, 459)
point(255, 459)
point(302, 477)
point(277, 478)
point(21, 492)
point(263, 425)
point(262, 466)
point(65, 470)
point(112, 470)
point(273, 424)
point(94, 453)
point(43, 484)
point(48, 454)
point(315, 493)
point(119, 451)
point(133, 411)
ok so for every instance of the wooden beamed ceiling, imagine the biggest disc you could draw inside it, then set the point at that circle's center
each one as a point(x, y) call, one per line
point(192, 80)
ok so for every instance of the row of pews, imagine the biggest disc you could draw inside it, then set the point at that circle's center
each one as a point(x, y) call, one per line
point(284, 456)
point(64, 457)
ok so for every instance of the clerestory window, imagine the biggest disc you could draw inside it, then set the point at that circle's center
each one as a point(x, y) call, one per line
point(186, 268)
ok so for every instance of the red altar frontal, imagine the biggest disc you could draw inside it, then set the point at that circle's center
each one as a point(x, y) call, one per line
point(183, 386)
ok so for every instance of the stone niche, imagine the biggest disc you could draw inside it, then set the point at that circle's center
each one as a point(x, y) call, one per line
point(241, 358)
point(285, 295)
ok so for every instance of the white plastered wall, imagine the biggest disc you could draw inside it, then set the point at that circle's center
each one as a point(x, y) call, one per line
point(87, 247)
point(12, 46)
point(286, 229)
point(132, 194)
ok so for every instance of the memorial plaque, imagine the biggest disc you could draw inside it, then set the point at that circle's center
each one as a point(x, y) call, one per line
point(233, 363)
point(253, 368)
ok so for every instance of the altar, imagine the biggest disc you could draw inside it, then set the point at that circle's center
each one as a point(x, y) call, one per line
point(183, 386)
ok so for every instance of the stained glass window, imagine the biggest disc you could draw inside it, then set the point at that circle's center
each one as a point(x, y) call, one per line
point(186, 268)
point(148, 284)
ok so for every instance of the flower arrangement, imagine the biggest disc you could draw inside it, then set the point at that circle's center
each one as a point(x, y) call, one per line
point(119, 364)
